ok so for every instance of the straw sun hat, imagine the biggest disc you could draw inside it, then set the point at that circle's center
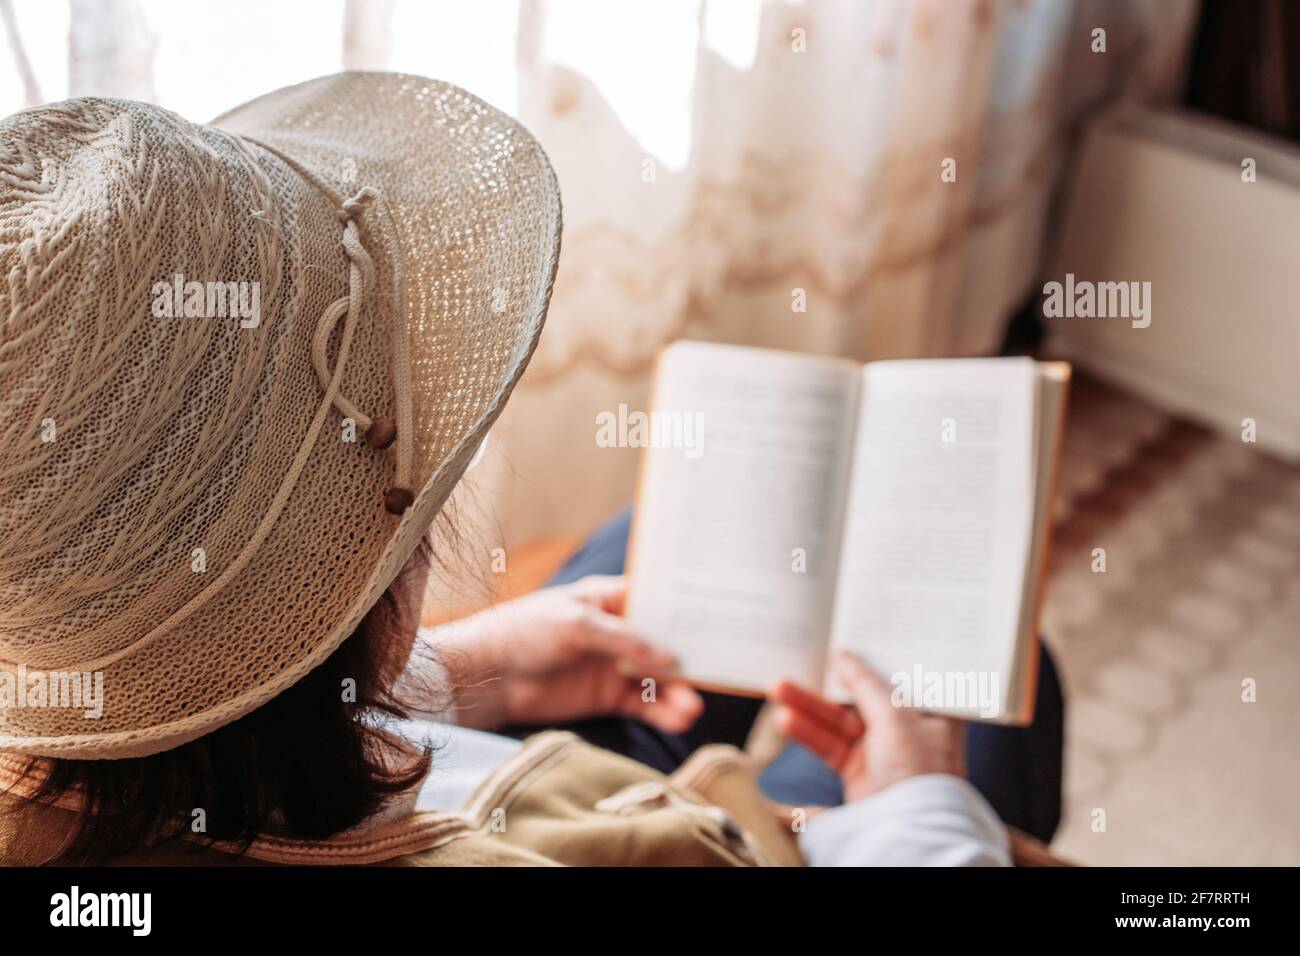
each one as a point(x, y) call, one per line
point(241, 367)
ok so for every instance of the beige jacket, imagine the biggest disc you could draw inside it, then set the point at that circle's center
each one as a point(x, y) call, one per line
point(557, 801)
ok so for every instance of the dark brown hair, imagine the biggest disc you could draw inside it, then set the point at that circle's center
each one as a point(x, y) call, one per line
point(307, 764)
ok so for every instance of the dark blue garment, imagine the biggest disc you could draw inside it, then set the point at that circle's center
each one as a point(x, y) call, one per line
point(1017, 769)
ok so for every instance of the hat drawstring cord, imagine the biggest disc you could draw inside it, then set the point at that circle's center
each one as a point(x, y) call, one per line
point(379, 433)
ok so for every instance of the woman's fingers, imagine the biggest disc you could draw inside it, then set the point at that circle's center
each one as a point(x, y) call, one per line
point(606, 591)
point(871, 695)
point(674, 709)
point(837, 717)
point(601, 629)
point(826, 743)
point(608, 635)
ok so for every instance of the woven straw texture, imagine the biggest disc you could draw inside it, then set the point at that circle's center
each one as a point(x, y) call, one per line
point(170, 434)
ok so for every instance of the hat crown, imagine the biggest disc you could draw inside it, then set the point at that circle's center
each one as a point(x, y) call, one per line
point(132, 243)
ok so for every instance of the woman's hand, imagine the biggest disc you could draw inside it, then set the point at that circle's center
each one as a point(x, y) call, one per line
point(876, 744)
point(560, 654)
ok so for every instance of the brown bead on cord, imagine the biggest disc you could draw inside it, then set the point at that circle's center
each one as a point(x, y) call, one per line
point(397, 500)
point(381, 433)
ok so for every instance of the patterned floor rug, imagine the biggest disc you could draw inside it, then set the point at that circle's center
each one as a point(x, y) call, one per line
point(1181, 659)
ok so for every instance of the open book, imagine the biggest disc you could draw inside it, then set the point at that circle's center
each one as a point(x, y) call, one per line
point(790, 505)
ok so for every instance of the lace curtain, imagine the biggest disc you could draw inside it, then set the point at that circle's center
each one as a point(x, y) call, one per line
point(770, 173)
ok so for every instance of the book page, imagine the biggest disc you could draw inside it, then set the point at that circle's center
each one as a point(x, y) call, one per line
point(1053, 386)
point(734, 550)
point(936, 547)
